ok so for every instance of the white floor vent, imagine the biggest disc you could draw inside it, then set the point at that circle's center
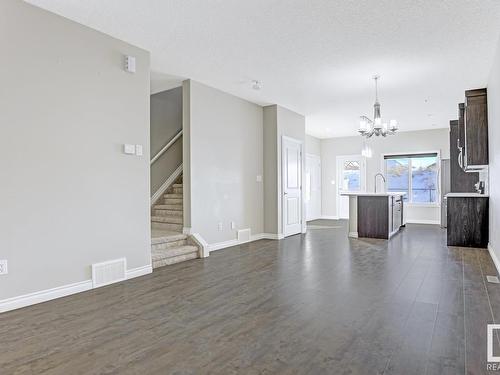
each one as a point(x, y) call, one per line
point(244, 235)
point(493, 279)
point(109, 272)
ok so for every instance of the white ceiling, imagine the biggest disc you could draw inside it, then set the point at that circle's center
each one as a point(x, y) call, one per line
point(315, 57)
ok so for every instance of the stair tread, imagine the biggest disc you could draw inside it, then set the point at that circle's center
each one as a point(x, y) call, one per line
point(159, 236)
point(167, 219)
point(173, 195)
point(173, 252)
point(177, 185)
point(173, 207)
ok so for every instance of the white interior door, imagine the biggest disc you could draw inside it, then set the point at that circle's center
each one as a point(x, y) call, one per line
point(291, 152)
point(313, 187)
point(351, 177)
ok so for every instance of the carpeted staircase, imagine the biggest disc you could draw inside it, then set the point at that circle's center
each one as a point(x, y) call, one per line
point(168, 244)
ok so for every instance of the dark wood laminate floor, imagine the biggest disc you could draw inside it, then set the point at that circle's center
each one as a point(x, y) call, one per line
point(312, 304)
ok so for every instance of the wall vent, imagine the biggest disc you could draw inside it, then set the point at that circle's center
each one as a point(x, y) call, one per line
point(244, 235)
point(109, 272)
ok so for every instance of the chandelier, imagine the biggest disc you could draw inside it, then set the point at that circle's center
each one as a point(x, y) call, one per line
point(369, 128)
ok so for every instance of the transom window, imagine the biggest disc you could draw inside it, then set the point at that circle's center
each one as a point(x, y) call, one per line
point(414, 174)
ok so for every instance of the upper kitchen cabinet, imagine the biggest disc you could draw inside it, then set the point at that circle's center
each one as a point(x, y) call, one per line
point(460, 181)
point(475, 130)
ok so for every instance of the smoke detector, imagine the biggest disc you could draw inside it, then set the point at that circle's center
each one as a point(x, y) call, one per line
point(256, 85)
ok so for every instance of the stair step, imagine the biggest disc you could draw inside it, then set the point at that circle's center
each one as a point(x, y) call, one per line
point(163, 212)
point(172, 195)
point(174, 207)
point(168, 245)
point(166, 226)
point(178, 190)
point(173, 255)
point(172, 200)
point(159, 239)
point(167, 219)
point(177, 186)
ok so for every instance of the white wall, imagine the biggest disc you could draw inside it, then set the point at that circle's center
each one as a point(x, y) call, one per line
point(69, 197)
point(313, 145)
point(494, 157)
point(426, 140)
point(226, 156)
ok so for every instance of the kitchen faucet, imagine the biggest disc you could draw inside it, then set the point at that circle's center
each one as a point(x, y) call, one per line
point(383, 178)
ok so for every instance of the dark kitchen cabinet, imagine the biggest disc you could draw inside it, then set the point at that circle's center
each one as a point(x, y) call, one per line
point(468, 221)
point(460, 181)
point(475, 128)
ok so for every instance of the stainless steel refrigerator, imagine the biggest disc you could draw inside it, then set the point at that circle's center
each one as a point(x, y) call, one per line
point(445, 188)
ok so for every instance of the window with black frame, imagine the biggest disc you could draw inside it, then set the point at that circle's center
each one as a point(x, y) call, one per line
point(414, 174)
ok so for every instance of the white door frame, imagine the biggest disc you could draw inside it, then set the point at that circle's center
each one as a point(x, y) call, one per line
point(283, 182)
point(318, 159)
point(338, 170)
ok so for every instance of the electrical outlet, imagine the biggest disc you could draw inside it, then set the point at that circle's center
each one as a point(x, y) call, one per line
point(220, 227)
point(3, 267)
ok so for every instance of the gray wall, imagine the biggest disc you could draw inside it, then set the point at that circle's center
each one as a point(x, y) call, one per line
point(415, 141)
point(166, 122)
point(494, 141)
point(279, 122)
point(226, 156)
point(69, 197)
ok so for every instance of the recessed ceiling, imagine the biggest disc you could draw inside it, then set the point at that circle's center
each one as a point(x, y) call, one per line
point(315, 57)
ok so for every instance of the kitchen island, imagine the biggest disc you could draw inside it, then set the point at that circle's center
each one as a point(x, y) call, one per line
point(375, 215)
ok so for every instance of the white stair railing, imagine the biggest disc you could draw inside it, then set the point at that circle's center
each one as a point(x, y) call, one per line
point(166, 147)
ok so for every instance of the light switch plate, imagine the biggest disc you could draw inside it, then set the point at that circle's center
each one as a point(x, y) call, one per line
point(138, 150)
point(233, 225)
point(130, 64)
point(259, 178)
point(129, 149)
point(3, 267)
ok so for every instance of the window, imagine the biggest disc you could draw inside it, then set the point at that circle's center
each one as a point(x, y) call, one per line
point(416, 175)
point(351, 175)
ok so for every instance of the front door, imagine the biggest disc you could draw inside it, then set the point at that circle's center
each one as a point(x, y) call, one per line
point(292, 186)
point(350, 179)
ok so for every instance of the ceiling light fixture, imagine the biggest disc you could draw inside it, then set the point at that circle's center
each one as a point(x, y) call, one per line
point(369, 128)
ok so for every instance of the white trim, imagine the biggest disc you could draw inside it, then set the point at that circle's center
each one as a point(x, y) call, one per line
point(353, 234)
point(44, 295)
point(235, 242)
point(202, 244)
point(139, 271)
point(163, 188)
point(494, 257)
point(186, 230)
point(429, 222)
point(34, 298)
point(328, 217)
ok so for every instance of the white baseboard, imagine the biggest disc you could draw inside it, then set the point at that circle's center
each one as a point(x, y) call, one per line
point(429, 222)
point(235, 242)
point(139, 271)
point(353, 234)
point(44, 295)
point(163, 188)
point(34, 298)
point(494, 257)
point(202, 244)
point(327, 217)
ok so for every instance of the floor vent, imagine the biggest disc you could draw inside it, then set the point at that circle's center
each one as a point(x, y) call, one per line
point(109, 272)
point(493, 279)
point(244, 235)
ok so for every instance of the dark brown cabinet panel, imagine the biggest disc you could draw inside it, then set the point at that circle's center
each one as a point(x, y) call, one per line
point(468, 221)
point(461, 182)
point(373, 217)
point(476, 129)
